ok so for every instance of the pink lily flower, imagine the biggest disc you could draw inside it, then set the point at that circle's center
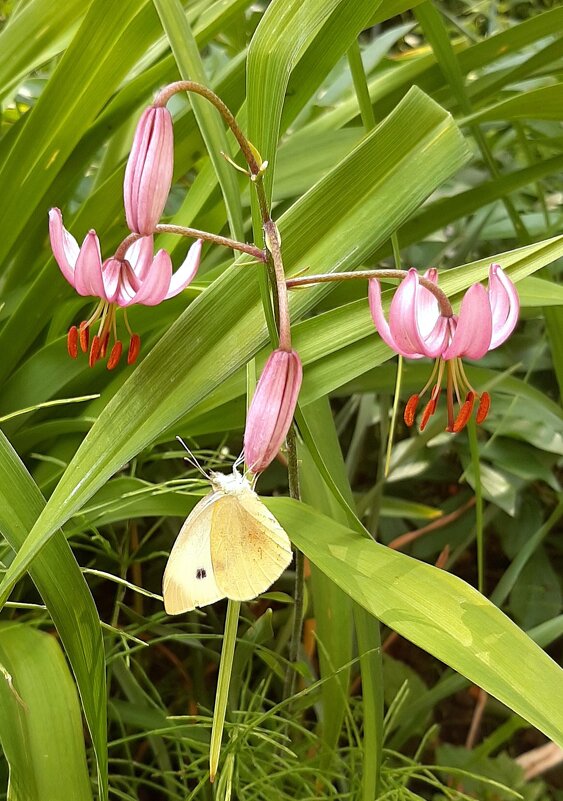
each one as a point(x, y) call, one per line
point(417, 328)
point(272, 408)
point(140, 277)
point(148, 175)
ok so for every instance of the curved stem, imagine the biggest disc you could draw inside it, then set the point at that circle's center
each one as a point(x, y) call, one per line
point(225, 241)
point(325, 278)
point(193, 233)
point(165, 94)
point(125, 245)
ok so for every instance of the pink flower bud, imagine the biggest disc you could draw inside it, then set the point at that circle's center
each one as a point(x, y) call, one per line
point(148, 175)
point(272, 407)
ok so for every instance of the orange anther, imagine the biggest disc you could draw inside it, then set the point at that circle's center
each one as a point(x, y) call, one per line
point(94, 351)
point(84, 336)
point(410, 410)
point(464, 413)
point(134, 349)
point(72, 342)
point(429, 410)
point(484, 406)
point(115, 355)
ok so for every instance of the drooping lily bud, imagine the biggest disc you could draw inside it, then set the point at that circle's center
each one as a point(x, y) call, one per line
point(272, 408)
point(148, 175)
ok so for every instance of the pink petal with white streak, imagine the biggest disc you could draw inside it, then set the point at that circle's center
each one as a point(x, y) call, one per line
point(403, 317)
point(64, 245)
point(156, 284)
point(186, 273)
point(378, 317)
point(505, 305)
point(140, 255)
point(88, 271)
point(472, 336)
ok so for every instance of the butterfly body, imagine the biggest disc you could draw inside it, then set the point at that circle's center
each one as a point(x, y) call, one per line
point(230, 546)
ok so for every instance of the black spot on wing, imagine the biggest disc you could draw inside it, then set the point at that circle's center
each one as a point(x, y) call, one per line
point(201, 573)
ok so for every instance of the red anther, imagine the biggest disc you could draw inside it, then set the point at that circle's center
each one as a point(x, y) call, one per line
point(115, 355)
point(410, 410)
point(483, 408)
point(429, 410)
point(72, 342)
point(84, 336)
point(134, 349)
point(104, 345)
point(464, 413)
point(94, 351)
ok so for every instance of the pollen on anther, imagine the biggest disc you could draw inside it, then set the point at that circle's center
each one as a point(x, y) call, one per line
point(94, 351)
point(429, 410)
point(115, 355)
point(134, 349)
point(84, 336)
point(410, 410)
point(72, 342)
point(464, 413)
point(483, 408)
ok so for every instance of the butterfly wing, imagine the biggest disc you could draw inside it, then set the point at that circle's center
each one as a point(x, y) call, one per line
point(189, 579)
point(249, 548)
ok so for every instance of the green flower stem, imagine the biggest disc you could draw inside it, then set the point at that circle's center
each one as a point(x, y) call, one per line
point(480, 534)
point(223, 682)
point(324, 278)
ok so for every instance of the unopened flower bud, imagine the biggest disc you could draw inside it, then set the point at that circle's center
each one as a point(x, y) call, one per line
point(148, 175)
point(272, 408)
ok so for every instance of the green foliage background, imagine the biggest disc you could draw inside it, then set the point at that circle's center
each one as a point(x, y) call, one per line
point(452, 142)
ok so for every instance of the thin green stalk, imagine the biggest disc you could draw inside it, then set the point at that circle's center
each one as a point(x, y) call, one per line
point(475, 463)
point(223, 682)
point(299, 587)
point(361, 85)
point(367, 627)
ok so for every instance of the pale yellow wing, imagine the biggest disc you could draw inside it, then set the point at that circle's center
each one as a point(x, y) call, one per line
point(189, 579)
point(249, 548)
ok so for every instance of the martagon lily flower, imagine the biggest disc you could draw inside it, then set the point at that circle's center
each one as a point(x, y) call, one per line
point(417, 327)
point(272, 408)
point(139, 277)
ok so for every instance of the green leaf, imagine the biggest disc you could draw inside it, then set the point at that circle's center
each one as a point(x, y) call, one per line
point(65, 593)
point(338, 224)
point(538, 104)
point(436, 611)
point(40, 723)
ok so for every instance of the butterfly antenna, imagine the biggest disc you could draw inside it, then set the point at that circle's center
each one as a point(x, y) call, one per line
point(192, 460)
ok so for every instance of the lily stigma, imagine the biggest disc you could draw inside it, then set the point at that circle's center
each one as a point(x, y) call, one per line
point(134, 275)
point(418, 326)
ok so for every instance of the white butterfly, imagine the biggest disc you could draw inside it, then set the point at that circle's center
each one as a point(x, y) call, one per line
point(230, 546)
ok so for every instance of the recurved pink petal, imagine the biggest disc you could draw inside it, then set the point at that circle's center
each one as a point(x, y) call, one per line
point(378, 317)
point(64, 245)
point(428, 310)
point(186, 273)
point(148, 175)
point(403, 318)
point(111, 275)
point(140, 255)
point(88, 273)
point(505, 305)
point(472, 336)
point(272, 408)
point(155, 286)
